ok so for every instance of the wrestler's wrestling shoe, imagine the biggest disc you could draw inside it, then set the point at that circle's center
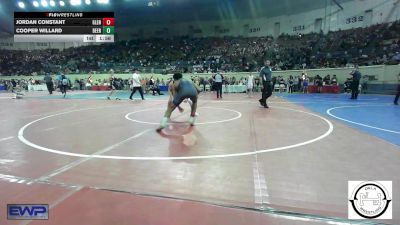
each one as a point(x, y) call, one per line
point(192, 120)
point(163, 124)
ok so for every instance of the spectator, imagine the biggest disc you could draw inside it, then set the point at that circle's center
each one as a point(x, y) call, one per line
point(327, 80)
point(334, 80)
point(318, 83)
point(347, 85)
point(65, 83)
point(305, 80)
point(364, 84)
point(291, 84)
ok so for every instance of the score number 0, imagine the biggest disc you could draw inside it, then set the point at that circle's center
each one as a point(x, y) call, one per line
point(108, 21)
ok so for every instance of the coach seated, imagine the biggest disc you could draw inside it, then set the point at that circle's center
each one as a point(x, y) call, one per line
point(327, 80)
point(334, 80)
point(347, 85)
point(155, 88)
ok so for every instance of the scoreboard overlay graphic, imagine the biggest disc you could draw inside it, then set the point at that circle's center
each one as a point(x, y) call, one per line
point(64, 26)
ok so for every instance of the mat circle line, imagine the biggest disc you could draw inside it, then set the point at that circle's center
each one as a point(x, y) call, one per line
point(329, 112)
point(33, 145)
point(203, 123)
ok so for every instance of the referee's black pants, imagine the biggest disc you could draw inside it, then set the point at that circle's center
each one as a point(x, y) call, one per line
point(140, 91)
point(396, 99)
point(266, 92)
point(218, 88)
point(50, 87)
point(354, 89)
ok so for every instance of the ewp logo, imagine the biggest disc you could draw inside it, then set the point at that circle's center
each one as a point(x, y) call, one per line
point(28, 212)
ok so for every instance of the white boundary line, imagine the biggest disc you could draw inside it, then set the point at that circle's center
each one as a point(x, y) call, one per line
point(211, 122)
point(82, 160)
point(27, 142)
point(7, 138)
point(329, 112)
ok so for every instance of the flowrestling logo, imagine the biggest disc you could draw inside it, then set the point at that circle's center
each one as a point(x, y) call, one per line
point(370, 199)
point(27, 211)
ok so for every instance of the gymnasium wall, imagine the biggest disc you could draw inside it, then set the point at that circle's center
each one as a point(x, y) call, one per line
point(384, 74)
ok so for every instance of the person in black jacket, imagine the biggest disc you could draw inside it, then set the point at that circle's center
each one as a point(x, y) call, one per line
point(266, 77)
point(49, 83)
point(396, 99)
point(355, 83)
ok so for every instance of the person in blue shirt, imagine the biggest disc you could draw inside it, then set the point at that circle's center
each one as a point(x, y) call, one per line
point(355, 82)
point(266, 77)
point(218, 80)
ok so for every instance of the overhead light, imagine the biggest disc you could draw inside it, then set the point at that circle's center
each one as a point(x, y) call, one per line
point(88, 2)
point(75, 2)
point(35, 3)
point(62, 3)
point(21, 5)
point(44, 3)
point(52, 3)
point(103, 1)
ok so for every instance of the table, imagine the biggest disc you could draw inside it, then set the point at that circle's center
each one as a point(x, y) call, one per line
point(37, 87)
point(100, 88)
point(163, 88)
point(325, 89)
point(234, 88)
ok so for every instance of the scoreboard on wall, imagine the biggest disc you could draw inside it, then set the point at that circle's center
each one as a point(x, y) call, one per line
point(64, 26)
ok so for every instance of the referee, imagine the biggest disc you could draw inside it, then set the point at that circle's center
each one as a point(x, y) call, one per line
point(49, 83)
point(355, 83)
point(266, 76)
point(218, 80)
point(396, 99)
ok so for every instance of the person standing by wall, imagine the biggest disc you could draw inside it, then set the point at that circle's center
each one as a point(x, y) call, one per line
point(355, 82)
point(300, 83)
point(396, 99)
point(113, 85)
point(291, 84)
point(266, 76)
point(305, 81)
point(318, 83)
point(64, 85)
point(57, 81)
point(250, 85)
point(49, 83)
point(89, 81)
point(13, 85)
point(136, 85)
point(218, 79)
point(365, 84)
